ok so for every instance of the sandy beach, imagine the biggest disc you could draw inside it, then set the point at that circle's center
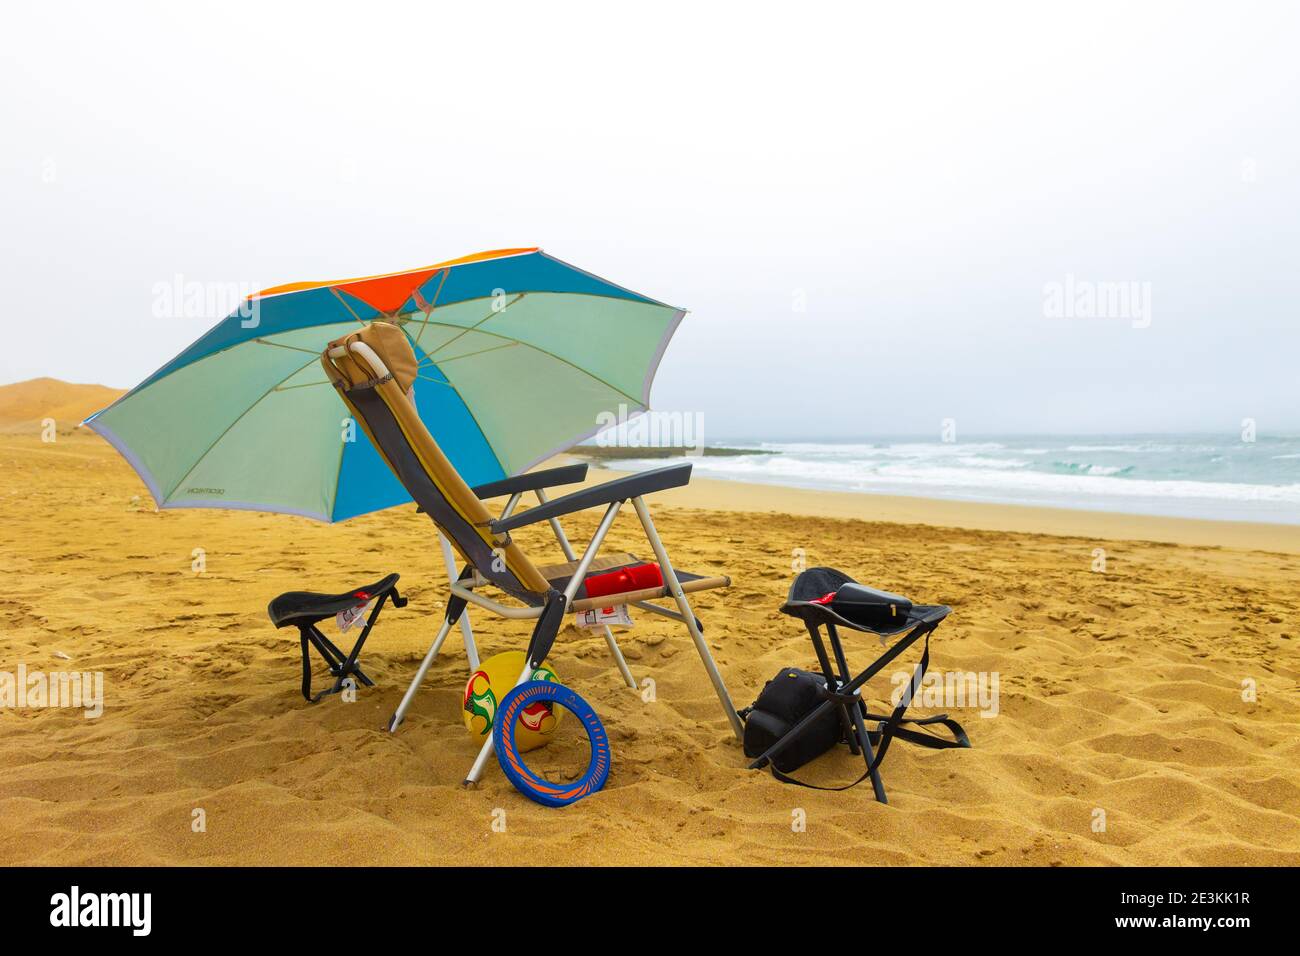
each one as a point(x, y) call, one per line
point(1123, 692)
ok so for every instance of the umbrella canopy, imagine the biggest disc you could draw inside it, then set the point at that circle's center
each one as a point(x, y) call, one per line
point(519, 355)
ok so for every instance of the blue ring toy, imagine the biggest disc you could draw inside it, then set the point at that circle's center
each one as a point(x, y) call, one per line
point(530, 784)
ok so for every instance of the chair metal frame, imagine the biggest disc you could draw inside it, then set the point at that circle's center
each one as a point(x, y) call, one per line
point(462, 586)
point(372, 374)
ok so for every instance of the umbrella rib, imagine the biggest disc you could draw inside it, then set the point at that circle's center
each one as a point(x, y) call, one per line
point(338, 472)
point(339, 295)
point(465, 330)
point(490, 348)
point(432, 305)
point(558, 358)
point(171, 491)
point(298, 328)
point(509, 340)
point(281, 345)
point(469, 411)
point(286, 388)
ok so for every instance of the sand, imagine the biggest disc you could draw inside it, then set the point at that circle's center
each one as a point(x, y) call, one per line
point(1121, 693)
point(27, 406)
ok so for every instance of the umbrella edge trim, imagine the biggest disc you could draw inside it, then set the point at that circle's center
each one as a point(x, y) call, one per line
point(247, 506)
point(659, 356)
point(106, 433)
point(678, 315)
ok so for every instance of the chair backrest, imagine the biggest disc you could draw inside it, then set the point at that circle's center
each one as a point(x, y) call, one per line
point(374, 370)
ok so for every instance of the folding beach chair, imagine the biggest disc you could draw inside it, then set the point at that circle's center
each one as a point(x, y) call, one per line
point(374, 370)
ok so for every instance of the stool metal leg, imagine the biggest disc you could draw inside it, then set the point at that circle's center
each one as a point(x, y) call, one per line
point(832, 680)
point(868, 755)
point(618, 658)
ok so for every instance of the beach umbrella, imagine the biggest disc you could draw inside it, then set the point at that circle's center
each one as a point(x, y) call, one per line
point(521, 356)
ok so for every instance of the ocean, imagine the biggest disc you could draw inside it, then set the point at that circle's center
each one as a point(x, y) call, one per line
point(1192, 476)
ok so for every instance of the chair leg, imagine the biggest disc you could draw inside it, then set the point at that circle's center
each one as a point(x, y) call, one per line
point(476, 771)
point(539, 646)
point(675, 589)
point(466, 629)
point(400, 714)
point(618, 657)
point(569, 555)
point(471, 649)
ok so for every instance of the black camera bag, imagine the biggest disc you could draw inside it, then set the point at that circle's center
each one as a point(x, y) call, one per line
point(784, 701)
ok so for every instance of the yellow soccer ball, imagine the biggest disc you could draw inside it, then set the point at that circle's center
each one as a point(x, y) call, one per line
point(494, 677)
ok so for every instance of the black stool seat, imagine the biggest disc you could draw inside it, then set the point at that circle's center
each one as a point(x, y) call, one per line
point(815, 583)
point(293, 607)
point(305, 609)
point(824, 598)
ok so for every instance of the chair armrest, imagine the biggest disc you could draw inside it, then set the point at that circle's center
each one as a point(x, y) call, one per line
point(564, 475)
point(620, 489)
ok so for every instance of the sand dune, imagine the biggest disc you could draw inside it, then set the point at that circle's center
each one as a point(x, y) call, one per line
point(23, 405)
point(1120, 692)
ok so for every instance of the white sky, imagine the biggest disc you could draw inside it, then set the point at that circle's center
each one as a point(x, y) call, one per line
point(914, 173)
